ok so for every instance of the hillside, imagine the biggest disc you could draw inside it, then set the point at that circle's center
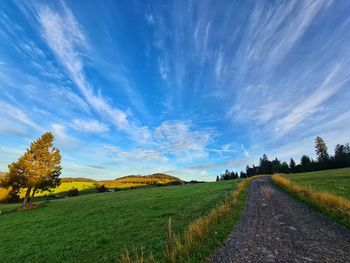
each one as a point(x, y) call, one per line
point(100, 226)
point(139, 180)
point(86, 185)
point(76, 179)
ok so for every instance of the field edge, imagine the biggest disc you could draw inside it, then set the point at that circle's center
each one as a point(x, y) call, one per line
point(335, 207)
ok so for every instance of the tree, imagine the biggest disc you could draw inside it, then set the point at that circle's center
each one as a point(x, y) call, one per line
point(38, 169)
point(306, 164)
point(321, 152)
point(292, 166)
point(217, 178)
point(243, 175)
point(285, 168)
point(276, 166)
point(265, 165)
point(73, 192)
point(341, 156)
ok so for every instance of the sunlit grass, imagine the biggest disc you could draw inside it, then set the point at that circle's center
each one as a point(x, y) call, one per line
point(335, 181)
point(334, 206)
point(98, 227)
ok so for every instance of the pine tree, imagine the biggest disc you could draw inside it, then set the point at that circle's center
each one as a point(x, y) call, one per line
point(321, 150)
point(292, 165)
point(38, 169)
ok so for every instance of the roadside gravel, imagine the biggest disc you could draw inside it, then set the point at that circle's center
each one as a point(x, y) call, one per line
point(276, 228)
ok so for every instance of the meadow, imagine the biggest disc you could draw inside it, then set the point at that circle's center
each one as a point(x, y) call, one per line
point(335, 181)
point(100, 226)
point(326, 191)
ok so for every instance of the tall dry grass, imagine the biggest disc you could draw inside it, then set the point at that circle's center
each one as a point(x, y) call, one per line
point(135, 256)
point(332, 205)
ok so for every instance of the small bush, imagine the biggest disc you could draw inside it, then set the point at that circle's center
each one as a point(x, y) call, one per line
point(73, 192)
point(101, 189)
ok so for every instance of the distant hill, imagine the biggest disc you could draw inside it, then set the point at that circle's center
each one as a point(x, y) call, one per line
point(159, 176)
point(76, 179)
point(140, 180)
point(131, 181)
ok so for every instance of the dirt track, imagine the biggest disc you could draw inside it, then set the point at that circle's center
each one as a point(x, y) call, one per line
point(276, 228)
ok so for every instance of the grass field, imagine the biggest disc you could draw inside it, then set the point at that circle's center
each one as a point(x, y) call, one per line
point(327, 191)
point(335, 181)
point(99, 226)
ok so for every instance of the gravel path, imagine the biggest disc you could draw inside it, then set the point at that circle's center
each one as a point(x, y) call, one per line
point(276, 228)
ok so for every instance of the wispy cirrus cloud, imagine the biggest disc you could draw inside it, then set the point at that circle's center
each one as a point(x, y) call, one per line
point(65, 37)
point(89, 126)
point(12, 114)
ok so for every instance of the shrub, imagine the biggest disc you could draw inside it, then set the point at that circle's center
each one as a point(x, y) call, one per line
point(101, 189)
point(73, 192)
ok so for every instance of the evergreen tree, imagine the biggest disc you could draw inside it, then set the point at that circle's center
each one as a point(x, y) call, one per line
point(321, 152)
point(276, 166)
point(265, 165)
point(341, 156)
point(285, 168)
point(305, 163)
point(38, 169)
point(292, 166)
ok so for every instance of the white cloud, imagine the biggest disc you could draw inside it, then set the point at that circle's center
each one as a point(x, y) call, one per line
point(65, 37)
point(13, 114)
point(274, 31)
point(62, 139)
point(89, 126)
point(170, 139)
point(333, 82)
point(135, 155)
point(149, 19)
point(177, 137)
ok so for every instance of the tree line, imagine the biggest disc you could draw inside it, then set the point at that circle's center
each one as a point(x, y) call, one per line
point(323, 161)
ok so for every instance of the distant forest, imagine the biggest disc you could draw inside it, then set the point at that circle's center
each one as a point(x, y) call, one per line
point(324, 161)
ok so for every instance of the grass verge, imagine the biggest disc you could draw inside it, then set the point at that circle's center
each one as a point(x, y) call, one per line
point(203, 235)
point(335, 207)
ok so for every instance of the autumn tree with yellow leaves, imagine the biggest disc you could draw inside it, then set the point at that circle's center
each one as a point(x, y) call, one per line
point(38, 169)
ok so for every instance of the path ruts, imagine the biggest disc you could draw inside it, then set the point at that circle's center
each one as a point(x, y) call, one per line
point(276, 228)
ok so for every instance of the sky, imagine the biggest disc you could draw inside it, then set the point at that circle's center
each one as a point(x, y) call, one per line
point(189, 88)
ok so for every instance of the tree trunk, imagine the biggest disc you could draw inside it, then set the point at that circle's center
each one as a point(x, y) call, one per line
point(26, 201)
point(33, 193)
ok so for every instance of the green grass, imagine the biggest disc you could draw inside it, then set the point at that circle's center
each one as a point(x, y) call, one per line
point(335, 181)
point(97, 227)
point(218, 233)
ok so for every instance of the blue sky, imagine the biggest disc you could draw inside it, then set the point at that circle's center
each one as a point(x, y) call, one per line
point(184, 87)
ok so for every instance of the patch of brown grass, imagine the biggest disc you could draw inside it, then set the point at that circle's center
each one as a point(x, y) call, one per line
point(332, 205)
point(136, 256)
point(31, 206)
